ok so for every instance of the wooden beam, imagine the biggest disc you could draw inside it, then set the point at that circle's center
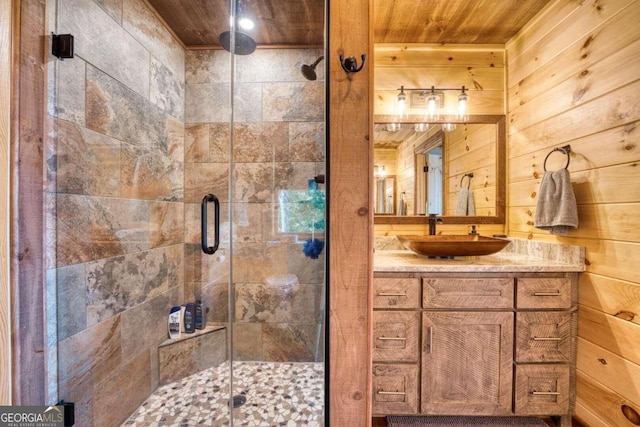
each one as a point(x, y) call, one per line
point(5, 102)
point(27, 267)
point(350, 155)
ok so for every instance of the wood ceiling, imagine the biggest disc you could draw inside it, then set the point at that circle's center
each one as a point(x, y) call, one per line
point(300, 23)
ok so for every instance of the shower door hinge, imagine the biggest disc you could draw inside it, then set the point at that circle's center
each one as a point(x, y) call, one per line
point(69, 413)
point(62, 45)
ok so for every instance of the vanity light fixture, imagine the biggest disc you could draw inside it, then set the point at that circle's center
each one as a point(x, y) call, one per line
point(421, 127)
point(379, 171)
point(432, 100)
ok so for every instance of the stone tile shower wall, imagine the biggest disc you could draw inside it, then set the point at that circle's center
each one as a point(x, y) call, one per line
point(278, 145)
point(125, 177)
point(116, 204)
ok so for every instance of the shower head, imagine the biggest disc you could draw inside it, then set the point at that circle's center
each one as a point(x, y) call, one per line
point(244, 43)
point(309, 71)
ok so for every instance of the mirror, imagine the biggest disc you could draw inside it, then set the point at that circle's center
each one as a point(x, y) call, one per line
point(384, 196)
point(458, 173)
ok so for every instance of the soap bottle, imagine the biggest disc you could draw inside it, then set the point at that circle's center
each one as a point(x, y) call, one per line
point(189, 318)
point(201, 313)
point(174, 322)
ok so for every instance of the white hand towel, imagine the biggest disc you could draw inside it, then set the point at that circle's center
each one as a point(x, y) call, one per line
point(556, 209)
point(466, 204)
point(471, 204)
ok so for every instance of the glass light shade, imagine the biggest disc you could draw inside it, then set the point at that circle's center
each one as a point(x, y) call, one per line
point(448, 127)
point(463, 106)
point(433, 104)
point(421, 127)
point(401, 103)
point(393, 127)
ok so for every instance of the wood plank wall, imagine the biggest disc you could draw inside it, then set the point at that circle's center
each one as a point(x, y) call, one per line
point(350, 217)
point(574, 78)
point(27, 270)
point(5, 101)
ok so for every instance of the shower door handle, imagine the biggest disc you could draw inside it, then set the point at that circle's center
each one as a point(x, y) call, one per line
point(216, 206)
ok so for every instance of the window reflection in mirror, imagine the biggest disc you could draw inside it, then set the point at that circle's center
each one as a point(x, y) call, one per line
point(384, 195)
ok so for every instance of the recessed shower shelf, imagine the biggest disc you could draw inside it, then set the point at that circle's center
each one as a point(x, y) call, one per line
point(180, 357)
point(184, 336)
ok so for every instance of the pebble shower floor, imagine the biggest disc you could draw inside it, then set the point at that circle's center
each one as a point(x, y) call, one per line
point(277, 393)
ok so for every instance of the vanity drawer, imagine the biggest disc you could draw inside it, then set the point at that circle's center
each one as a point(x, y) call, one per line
point(395, 292)
point(395, 389)
point(395, 336)
point(542, 389)
point(552, 292)
point(467, 293)
point(543, 336)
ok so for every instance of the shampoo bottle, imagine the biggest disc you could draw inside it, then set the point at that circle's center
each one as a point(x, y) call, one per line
point(190, 318)
point(201, 314)
point(174, 322)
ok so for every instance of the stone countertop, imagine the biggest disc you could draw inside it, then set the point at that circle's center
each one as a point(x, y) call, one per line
point(519, 256)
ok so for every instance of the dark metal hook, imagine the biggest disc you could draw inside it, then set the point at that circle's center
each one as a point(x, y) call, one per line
point(469, 175)
point(350, 65)
point(566, 150)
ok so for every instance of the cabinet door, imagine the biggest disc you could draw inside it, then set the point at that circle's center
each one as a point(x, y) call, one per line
point(470, 293)
point(395, 336)
point(395, 389)
point(544, 336)
point(542, 389)
point(467, 363)
point(396, 292)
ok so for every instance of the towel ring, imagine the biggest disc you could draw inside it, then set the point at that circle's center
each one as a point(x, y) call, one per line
point(470, 175)
point(566, 150)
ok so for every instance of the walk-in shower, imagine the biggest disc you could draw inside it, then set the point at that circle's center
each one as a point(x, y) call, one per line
point(146, 121)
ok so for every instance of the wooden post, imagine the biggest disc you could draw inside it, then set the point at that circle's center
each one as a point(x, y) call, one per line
point(350, 215)
point(5, 101)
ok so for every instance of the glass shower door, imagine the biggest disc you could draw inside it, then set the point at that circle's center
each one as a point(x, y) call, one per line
point(142, 129)
point(277, 290)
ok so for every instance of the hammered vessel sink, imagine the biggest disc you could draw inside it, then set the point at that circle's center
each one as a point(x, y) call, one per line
point(452, 245)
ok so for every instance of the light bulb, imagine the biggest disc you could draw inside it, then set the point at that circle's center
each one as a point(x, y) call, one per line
point(433, 103)
point(246, 23)
point(463, 105)
point(401, 103)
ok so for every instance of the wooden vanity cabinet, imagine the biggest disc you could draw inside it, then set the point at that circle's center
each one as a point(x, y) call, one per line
point(484, 343)
point(396, 349)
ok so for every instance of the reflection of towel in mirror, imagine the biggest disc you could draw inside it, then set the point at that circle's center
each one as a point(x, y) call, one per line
point(466, 204)
point(556, 209)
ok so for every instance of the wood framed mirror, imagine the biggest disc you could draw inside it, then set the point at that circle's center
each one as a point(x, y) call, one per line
point(475, 147)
